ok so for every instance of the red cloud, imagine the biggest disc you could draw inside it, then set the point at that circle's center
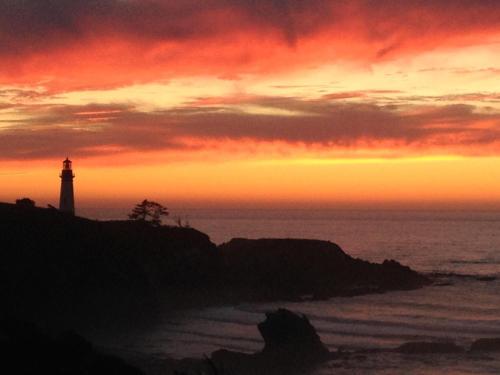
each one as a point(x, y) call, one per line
point(105, 43)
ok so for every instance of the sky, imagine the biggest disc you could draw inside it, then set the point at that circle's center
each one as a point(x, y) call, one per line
point(255, 103)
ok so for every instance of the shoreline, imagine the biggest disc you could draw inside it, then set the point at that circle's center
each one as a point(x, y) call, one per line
point(133, 270)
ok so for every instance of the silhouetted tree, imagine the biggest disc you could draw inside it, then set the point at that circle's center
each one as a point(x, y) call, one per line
point(148, 211)
point(25, 202)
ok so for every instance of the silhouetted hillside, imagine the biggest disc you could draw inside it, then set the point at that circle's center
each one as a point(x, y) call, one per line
point(60, 268)
point(54, 265)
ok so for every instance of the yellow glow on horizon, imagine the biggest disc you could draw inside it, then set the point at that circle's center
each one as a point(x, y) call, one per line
point(373, 160)
point(286, 182)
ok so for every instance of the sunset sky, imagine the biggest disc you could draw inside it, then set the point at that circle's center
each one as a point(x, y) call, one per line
point(252, 102)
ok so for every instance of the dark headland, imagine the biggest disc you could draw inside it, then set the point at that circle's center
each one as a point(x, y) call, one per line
point(54, 264)
point(61, 271)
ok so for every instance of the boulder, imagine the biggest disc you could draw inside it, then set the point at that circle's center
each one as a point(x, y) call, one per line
point(290, 344)
point(288, 335)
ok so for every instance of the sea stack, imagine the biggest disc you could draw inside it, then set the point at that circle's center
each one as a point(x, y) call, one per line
point(67, 199)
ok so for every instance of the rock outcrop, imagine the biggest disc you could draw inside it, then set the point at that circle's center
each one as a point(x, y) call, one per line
point(290, 344)
point(288, 335)
point(293, 268)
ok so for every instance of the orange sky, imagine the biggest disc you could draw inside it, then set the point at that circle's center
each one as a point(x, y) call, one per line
point(254, 103)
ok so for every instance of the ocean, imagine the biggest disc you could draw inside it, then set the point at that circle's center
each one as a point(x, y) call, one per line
point(463, 244)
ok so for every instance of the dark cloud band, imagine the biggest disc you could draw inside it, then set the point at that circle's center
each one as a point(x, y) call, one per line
point(97, 129)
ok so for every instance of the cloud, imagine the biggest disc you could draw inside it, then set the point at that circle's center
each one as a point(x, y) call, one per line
point(68, 44)
point(319, 125)
point(88, 130)
point(36, 25)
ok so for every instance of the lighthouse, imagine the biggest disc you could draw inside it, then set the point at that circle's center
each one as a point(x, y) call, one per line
point(67, 199)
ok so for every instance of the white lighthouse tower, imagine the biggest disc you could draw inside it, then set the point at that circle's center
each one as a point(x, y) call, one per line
point(67, 199)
